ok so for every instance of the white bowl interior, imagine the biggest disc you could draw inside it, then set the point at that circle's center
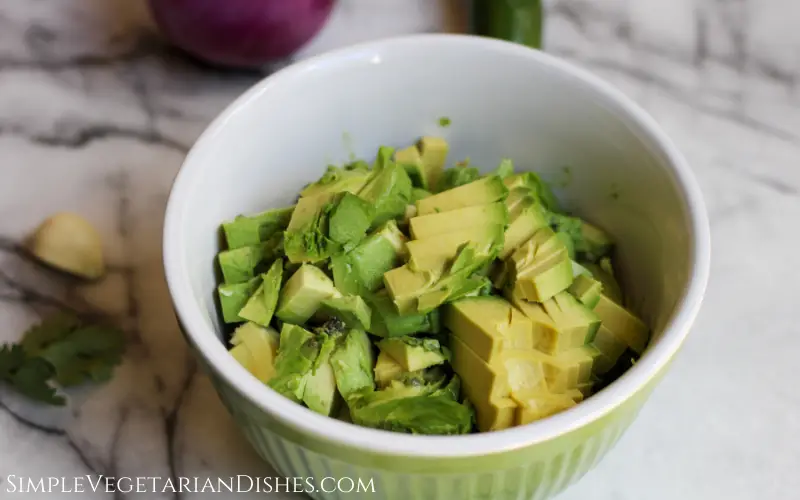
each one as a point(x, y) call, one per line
point(503, 102)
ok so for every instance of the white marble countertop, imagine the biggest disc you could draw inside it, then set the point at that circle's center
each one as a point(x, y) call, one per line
point(96, 114)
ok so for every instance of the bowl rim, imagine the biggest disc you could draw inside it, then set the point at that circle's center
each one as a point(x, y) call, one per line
point(323, 428)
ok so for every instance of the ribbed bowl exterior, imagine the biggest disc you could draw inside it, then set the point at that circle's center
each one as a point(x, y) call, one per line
point(536, 472)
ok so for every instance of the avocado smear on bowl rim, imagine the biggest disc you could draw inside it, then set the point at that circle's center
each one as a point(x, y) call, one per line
point(411, 297)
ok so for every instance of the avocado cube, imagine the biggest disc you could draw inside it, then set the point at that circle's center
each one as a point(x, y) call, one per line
point(387, 322)
point(541, 266)
point(437, 224)
point(549, 336)
point(303, 293)
point(533, 185)
point(416, 194)
point(242, 264)
point(233, 297)
point(526, 218)
point(351, 309)
point(411, 160)
point(353, 363)
point(386, 369)
point(389, 190)
point(434, 156)
point(320, 394)
point(251, 230)
point(538, 405)
point(485, 386)
point(587, 290)
point(405, 285)
point(571, 316)
point(569, 369)
point(480, 192)
point(338, 180)
point(433, 253)
point(413, 353)
point(261, 305)
point(435, 415)
point(349, 220)
point(255, 348)
point(593, 243)
point(623, 324)
point(604, 274)
point(524, 369)
point(297, 354)
point(360, 271)
point(488, 325)
point(458, 176)
point(610, 348)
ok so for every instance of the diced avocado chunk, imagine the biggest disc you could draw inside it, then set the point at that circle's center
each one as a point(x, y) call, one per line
point(436, 224)
point(232, 298)
point(251, 230)
point(244, 263)
point(351, 178)
point(386, 369)
point(255, 348)
point(389, 190)
point(610, 349)
point(590, 243)
point(452, 390)
point(485, 386)
point(535, 186)
point(549, 336)
point(569, 369)
point(388, 322)
point(423, 291)
point(488, 325)
point(524, 370)
point(526, 218)
point(541, 267)
point(541, 404)
point(306, 238)
point(587, 290)
point(434, 155)
point(297, 353)
point(458, 176)
point(261, 305)
point(320, 394)
point(436, 415)
point(352, 364)
point(411, 160)
point(604, 273)
point(349, 220)
point(505, 168)
point(434, 252)
point(360, 271)
point(480, 192)
point(623, 324)
point(303, 293)
point(351, 309)
point(572, 317)
point(414, 353)
point(417, 194)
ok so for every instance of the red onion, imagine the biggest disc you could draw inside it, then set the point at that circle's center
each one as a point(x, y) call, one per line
point(243, 33)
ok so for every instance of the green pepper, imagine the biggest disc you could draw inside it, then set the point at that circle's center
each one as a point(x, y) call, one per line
point(517, 21)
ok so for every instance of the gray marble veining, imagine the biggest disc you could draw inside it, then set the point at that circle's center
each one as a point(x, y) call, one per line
point(97, 112)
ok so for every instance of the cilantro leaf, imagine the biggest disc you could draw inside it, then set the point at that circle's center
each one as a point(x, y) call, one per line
point(86, 353)
point(51, 329)
point(28, 375)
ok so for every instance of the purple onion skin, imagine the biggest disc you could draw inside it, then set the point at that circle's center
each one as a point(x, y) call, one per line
point(240, 33)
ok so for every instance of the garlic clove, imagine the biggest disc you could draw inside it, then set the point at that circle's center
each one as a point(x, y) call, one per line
point(70, 243)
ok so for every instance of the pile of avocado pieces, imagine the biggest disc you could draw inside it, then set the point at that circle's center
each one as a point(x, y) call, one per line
point(429, 300)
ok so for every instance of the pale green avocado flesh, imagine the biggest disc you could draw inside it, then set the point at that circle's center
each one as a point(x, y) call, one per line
point(420, 295)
